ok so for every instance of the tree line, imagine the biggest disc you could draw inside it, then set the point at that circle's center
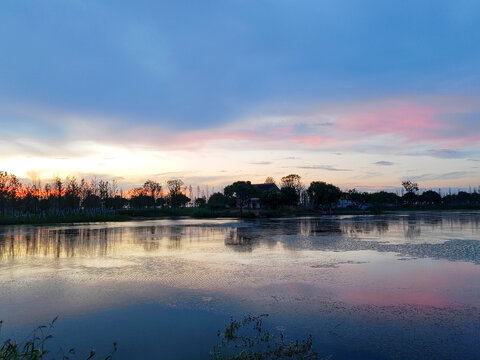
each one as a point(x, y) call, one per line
point(73, 195)
point(321, 195)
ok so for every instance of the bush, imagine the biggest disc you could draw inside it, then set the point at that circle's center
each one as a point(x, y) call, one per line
point(241, 340)
point(247, 339)
point(36, 348)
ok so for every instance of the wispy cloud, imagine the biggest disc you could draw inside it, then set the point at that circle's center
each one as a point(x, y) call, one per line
point(383, 163)
point(441, 153)
point(323, 167)
point(453, 175)
point(261, 163)
point(362, 129)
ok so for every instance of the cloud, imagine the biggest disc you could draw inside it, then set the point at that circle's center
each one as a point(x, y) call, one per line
point(441, 153)
point(400, 117)
point(446, 154)
point(305, 134)
point(261, 163)
point(460, 124)
point(136, 60)
point(312, 140)
point(383, 163)
point(428, 120)
point(323, 167)
point(453, 175)
point(369, 126)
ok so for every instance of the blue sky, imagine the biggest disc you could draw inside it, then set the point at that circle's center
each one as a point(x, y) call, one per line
point(188, 85)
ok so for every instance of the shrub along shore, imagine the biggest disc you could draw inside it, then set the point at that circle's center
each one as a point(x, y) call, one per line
point(202, 213)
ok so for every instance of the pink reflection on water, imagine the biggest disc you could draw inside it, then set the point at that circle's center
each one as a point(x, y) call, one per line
point(426, 282)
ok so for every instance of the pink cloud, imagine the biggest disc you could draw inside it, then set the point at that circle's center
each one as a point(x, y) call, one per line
point(407, 119)
point(310, 140)
point(437, 121)
point(350, 126)
point(284, 131)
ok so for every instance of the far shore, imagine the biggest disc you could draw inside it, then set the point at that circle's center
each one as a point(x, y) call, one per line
point(206, 213)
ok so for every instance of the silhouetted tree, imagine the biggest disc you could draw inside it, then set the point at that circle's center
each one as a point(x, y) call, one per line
point(383, 198)
point(141, 201)
point(160, 202)
point(241, 191)
point(290, 196)
point(9, 186)
point(30, 199)
point(217, 201)
point(179, 200)
point(293, 181)
point(57, 188)
point(269, 180)
point(323, 194)
point(62, 197)
point(103, 191)
point(356, 197)
point(431, 197)
point(92, 201)
point(72, 193)
point(272, 199)
point(174, 188)
point(115, 203)
point(291, 188)
point(410, 187)
point(199, 202)
point(153, 188)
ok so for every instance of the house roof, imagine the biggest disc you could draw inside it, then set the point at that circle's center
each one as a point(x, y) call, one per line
point(266, 187)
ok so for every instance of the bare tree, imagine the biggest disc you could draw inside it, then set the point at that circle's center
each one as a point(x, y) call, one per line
point(409, 186)
point(269, 180)
point(153, 188)
point(174, 186)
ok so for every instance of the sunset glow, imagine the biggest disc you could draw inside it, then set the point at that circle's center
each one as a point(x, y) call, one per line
point(224, 101)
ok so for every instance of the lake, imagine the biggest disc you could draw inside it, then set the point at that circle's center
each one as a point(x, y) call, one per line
point(394, 286)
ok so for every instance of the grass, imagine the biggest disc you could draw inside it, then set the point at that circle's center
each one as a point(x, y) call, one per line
point(36, 347)
point(205, 213)
point(55, 219)
point(245, 339)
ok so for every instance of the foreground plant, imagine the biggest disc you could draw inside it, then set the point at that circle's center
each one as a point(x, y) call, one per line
point(241, 340)
point(36, 347)
point(248, 340)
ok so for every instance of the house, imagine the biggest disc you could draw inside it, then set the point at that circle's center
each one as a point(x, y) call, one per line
point(254, 202)
point(344, 204)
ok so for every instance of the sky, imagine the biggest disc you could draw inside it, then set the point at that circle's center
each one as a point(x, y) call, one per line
point(361, 94)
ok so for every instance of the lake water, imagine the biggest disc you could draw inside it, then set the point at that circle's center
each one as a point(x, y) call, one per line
point(398, 286)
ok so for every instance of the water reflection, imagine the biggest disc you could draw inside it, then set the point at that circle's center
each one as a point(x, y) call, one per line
point(327, 271)
point(452, 236)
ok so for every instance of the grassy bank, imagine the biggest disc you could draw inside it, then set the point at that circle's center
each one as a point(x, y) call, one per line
point(56, 219)
point(218, 213)
point(206, 213)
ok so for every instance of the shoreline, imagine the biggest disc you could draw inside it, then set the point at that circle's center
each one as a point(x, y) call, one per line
point(202, 213)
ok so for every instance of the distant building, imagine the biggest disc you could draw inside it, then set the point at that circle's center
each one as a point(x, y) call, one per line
point(267, 187)
point(343, 204)
point(254, 203)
